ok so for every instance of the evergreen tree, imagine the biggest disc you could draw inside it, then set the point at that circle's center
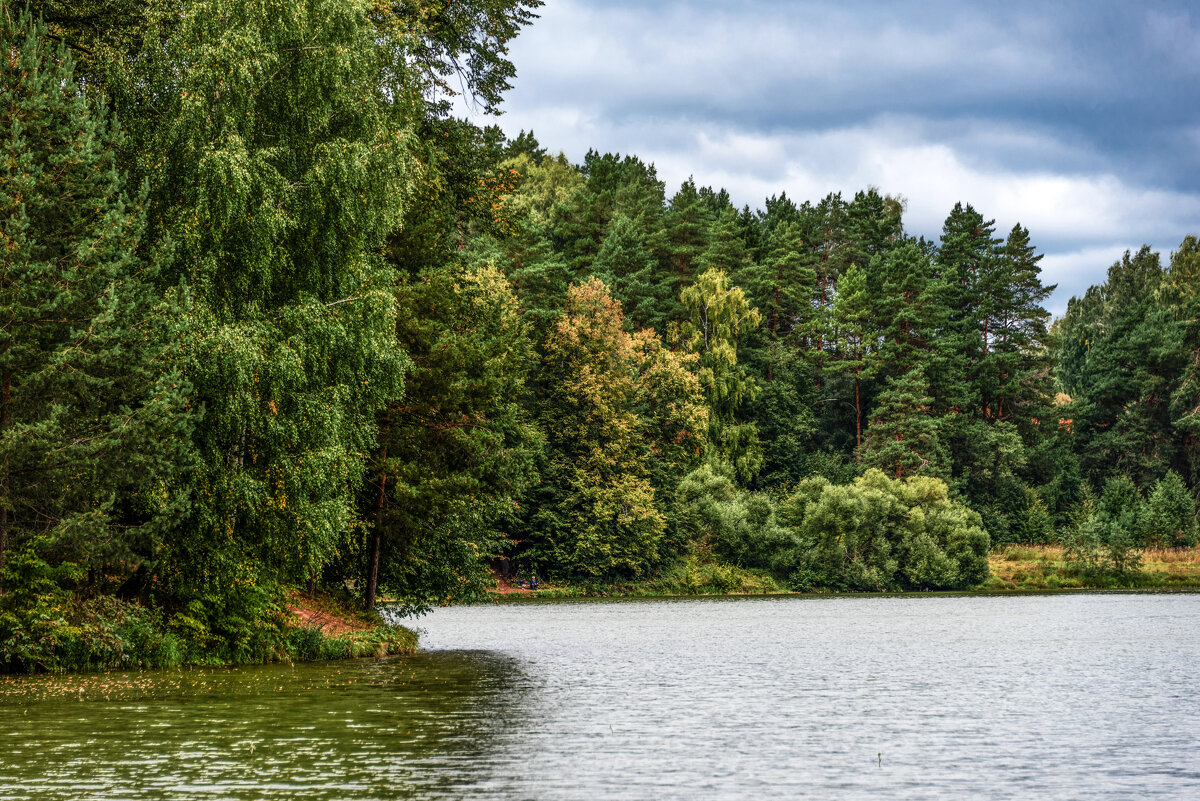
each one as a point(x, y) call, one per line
point(614, 184)
point(1120, 370)
point(1183, 307)
point(1014, 332)
point(725, 250)
point(782, 284)
point(627, 263)
point(833, 253)
point(850, 323)
point(902, 438)
point(1171, 514)
point(526, 144)
point(92, 409)
point(912, 311)
point(459, 450)
point(686, 228)
point(1123, 508)
point(967, 261)
point(874, 226)
point(776, 353)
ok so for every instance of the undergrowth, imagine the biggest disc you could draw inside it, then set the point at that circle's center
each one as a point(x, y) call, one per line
point(59, 634)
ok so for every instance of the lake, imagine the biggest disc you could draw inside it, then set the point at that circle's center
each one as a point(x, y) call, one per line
point(1057, 696)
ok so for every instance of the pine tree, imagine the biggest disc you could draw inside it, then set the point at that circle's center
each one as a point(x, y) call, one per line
point(874, 225)
point(833, 252)
point(782, 284)
point(902, 438)
point(92, 413)
point(686, 227)
point(458, 451)
point(911, 311)
point(1171, 514)
point(1121, 373)
point(1183, 302)
point(725, 250)
point(1014, 331)
point(629, 266)
point(967, 262)
point(615, 186)
point(850, 322)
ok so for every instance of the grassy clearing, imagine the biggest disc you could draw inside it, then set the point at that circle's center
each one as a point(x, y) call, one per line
point(1043, 567)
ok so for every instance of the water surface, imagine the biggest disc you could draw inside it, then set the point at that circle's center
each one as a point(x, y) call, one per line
point(1065, 696)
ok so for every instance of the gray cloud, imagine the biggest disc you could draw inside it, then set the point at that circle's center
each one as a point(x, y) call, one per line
point(1077, 119)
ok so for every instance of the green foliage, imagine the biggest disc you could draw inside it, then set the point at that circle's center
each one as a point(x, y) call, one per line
point(292, 322)
point(1180, 305)
point(903, 438)
point(92, 411)
point(1122, 511)
point(1107, 536)
point(459, 47)
point(1119, 357)
point(281, 161)
point(719, 314)
point(459, 451)
point(849, 322)
point(714, 514)
point(614, 403)
point(882, 534)
point(198, 410)
point(1170, 515)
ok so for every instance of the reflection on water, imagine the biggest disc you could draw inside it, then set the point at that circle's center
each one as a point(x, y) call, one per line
point(387, 728)
point(1033, 697)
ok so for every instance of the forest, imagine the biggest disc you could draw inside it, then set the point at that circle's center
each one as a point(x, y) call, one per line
point(273, 319)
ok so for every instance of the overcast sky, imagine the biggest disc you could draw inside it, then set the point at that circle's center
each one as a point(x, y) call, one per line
point(1079, 120)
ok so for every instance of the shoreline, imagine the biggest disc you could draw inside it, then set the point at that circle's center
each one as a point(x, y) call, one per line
point(534, 597)
point(1013, 570)
point(129, 636)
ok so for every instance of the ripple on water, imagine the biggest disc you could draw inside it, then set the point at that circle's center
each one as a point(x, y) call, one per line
point(1030, 697)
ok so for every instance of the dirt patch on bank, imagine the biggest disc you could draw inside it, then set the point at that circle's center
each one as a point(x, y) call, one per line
point(504, 587)
point(320, 614)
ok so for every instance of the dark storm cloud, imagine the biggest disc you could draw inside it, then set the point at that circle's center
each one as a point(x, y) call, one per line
point(1032, 111)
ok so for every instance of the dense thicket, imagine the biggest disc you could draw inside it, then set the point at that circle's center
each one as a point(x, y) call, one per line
point(273, 317)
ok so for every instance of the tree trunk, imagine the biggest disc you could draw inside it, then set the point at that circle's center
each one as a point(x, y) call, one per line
point(376, 534)
point(857, 414)
point(372, 571)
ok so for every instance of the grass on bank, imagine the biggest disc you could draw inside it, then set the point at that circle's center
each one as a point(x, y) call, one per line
point(1045, 567)
point(1011, 568)
point(695, 574)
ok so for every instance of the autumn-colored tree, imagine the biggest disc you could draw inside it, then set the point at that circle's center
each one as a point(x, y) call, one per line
point(596, 512)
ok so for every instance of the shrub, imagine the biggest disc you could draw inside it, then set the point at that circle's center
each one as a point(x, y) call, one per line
point(880, 533)
point(713, 512)
point(1171, 514)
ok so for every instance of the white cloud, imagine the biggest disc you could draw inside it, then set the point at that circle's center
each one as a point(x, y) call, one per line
point(1074, 271)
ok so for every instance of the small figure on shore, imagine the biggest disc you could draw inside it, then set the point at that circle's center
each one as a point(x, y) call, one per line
point(533, 583)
